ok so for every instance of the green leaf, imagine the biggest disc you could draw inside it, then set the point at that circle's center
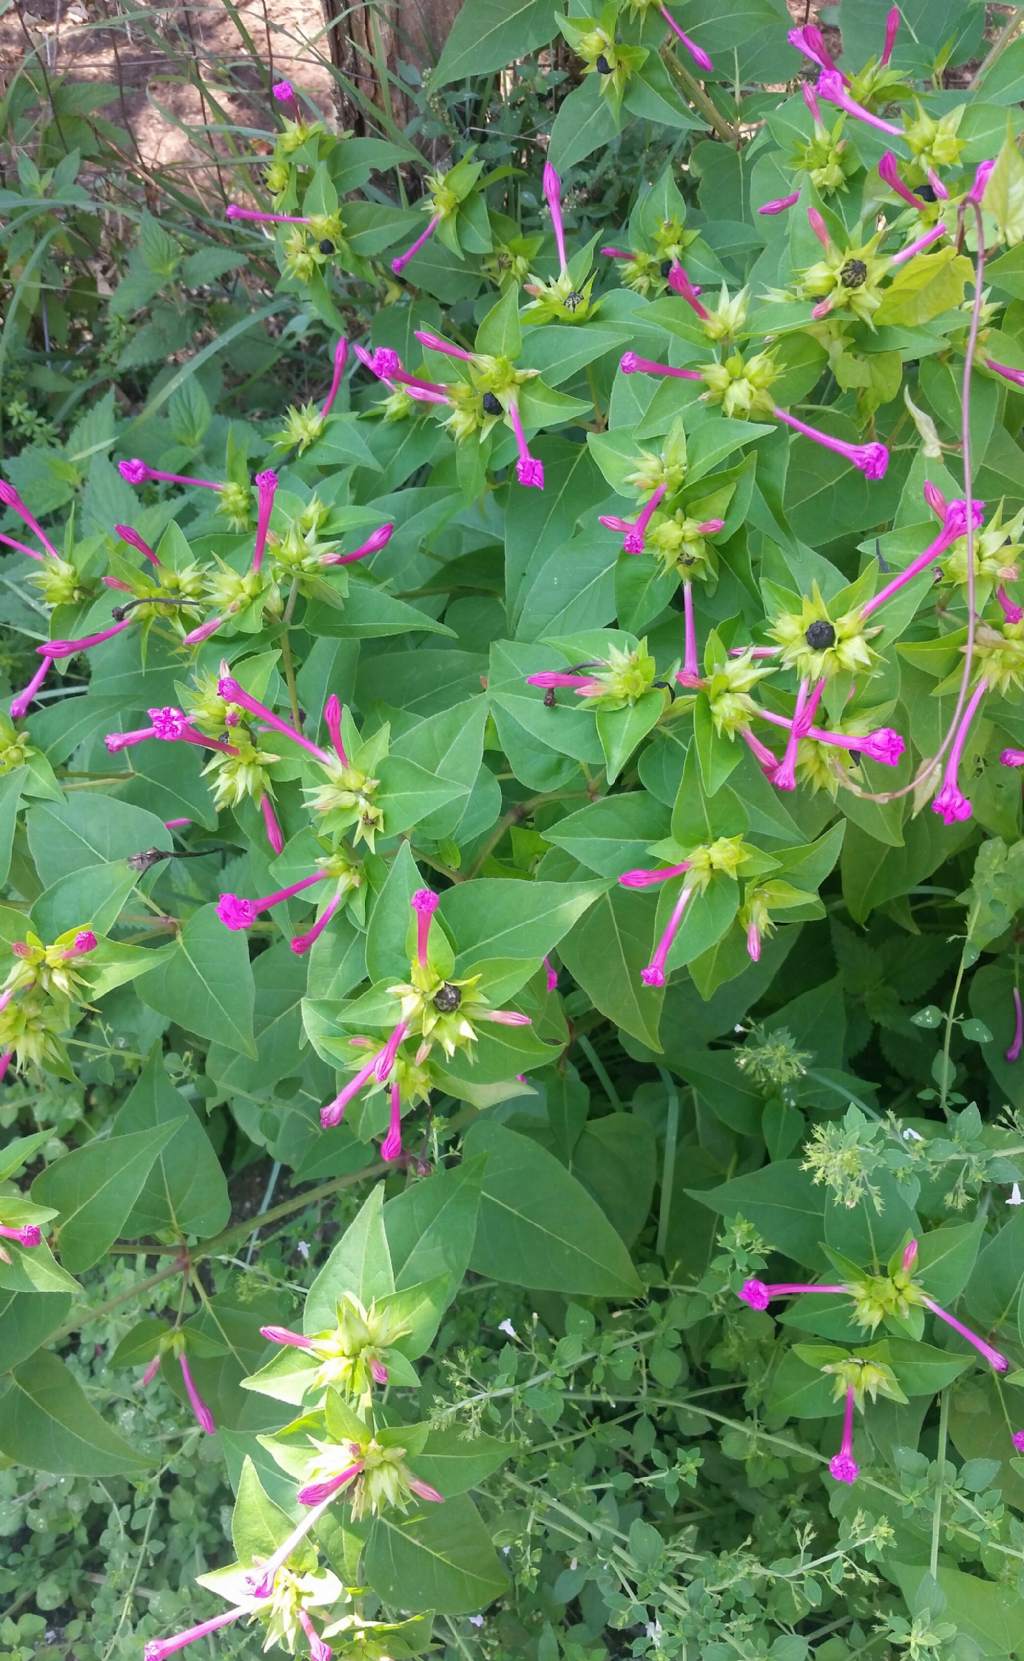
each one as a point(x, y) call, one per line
point(782, 1203)
point(360, 1263)
point(95, 1187)
point(431, 1227)
point(186, 1191)
point(26, 1322)
point(47, 1424)
point(206, 984)
point(497, 918)
point(584, 123)
point(442, 1560)
point(89, 829)
point(606, 951)
point(454, 1463)
point(489, 34)
point(539, 1227)
point(93, 897)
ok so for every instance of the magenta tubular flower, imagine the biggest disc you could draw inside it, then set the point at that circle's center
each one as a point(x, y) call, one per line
point(632, 364)
point(176, 824)
point(234, 693)
point(551, 974)
point(20, 703)
point(889, 172)
point(506, 1017)
point(753, 942)
point(271, 824)
point(918, 246)
point(819, 228)
point(260, 1582)
point(892, 24)
point(1013, 1053)
point(641, 878)
point(434, 343)
point(633, 540)
point(68, 648)
point(935, 499)
point(424, 1491)
point(386, 1059)
point(399, 264)
point(1016, 376)
point(654, 973)
point(1011, 612)
point(689, 674)
point(238, 913)
point(340, 360)
point(842, 1466)
point(204, 1418)
point(937, 185)
point(391, 1147)
point(301, 943)
point(284, 1335)
point(377, 540)
point(810, 41)
point(765, 758)
point(807, 702)
point(680, 284)
point(811, 100)
point(995, 1359)
point(832, 88)
point(332, 721)
point(1018, 1440)
point(169, 725)
point(617, 253)
point(137, 472)
point(151, 1371)
point(884, 744)
point(284, 94)
point(1012, 758)
point(84, 942)
point(424, 902)
point(585, 686)
point(909, 1257)
point(134, 540)
point(8, 1056)
point(759, 1295)
point(158, 1648)
point(529, 470)
point(315, 1493)
point(318, 1650)
point(871, 459)
point(10, 498)
point(196, 636)
point(696, 52)
point(780, 204)
point(21, 547)
point(334, 1111)
point(981, 178)
point(552, 186)
point(266, 488)
point(233, 211)
point(950, 803)
point(954, 525)
point(30, 1235)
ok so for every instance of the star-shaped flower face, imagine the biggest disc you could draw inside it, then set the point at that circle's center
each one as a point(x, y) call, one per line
point(818, 645)
point(440, 1010)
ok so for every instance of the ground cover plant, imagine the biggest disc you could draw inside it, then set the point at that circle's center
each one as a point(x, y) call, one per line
point(510, 802)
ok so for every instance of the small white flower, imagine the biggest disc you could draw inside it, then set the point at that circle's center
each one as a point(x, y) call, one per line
point(507, 1328)
point(653, 1631)
point(302, 1247)
point(1016, 1197)
point(574, 1562)
point(911, 1135)
point(476, 1620)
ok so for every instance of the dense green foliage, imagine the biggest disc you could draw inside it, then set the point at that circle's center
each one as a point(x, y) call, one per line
point(511, 823)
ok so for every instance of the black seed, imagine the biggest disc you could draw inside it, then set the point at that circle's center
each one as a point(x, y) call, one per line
point(549, 698)
point(602, 66)
point(854, 274)
point(666, 267)
point(573, 301)
point(326, 246)
point(820, 635)
point(448, 999)
point(117, 613)
point(926, 193)
point(491, 404)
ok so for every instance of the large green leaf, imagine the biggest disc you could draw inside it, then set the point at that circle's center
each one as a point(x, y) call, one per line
point(95, 1187)
point(494, 918)
point(442, 1560)
point(48, 1424)
point(186, 1191)
point(489, 34)
point(360, 1263)
point(206, 985)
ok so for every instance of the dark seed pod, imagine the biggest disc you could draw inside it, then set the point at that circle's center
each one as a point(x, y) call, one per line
point(820, 634)
point(666, 267)
point(549, 698)
point(854, 274)
point(448, 999)
point(926, 193)
point(326, 246)
point(602, 66)
point(491, 404)
point(118, 613)
point(573, 301)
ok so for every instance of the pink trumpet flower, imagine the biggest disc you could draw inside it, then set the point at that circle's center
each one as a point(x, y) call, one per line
point(158, 1648)
point(260, 1582)
point(689, 674)
point(807, 701)
point(391, 1147)
point(134, 540)
point(759, 1295)
point(884, 744)
point(332, 721)
point(818, 226)
point(889, 173)
point(135, 471)
point(892, 24)
point(977, 191)
point(765, 758)
point(552, 679)
point(29, 1235)
point(20, 703)
point(340, 360)
point(196, 636)
point(1017, 1044)
point(529, 469)
point(832, 87)
point(617, 253)
point(1018, 1441)
point(400, 262)
point(1011, 612)
point(954, 525)
point(842, 1466)
point(632, 364)
point(238, 913)
point(811, 100)
point(654, 973)
point(377, 540)
point(8, 1056)
point(552, 187)
point(271, 824)
point(284, 1335)
point(151, 1371)
point(918, 245)
point(284, 94)
point(266, 489)
point(234, 693)
point(21, 547)
point(434, 343)
point(1012, 758)
point(424, 903)
point(950, 803)
point(386, 1060)
point(635, 530)
point(680, 284)
point(204, 1418)
point(11, 498)
point(871, 459)
point(780, 204)
point(696, 52)
point(810, 41)
point(314, 1493)
point(68, 648)
point(256, 217)
point(641, 878)
point(1016, 376)
point(318, 1649)
point(170, 725)
point(551, 974)
point(996, 1360)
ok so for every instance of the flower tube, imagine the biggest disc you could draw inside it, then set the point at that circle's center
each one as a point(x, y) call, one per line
point(654, 973)
point(204, 1417)
point(11, 498)
point(842, 1466)
point(871, 459)
point(233, 211)
point(529, 470)
point(552, 187)
point(779, 204)
point(832, 88)
point(234, 693)
point(340, 359)
point(399, 263)
point(950, 803)
point(696, 52)
point(135, 471)
point(1014, 1051)
point(632, 364)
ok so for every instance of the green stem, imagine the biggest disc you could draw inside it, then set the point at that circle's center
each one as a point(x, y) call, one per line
point(948, 1035)
point(601, 1070)
point(668, 1165)
point(940, 1482)
point(693, 90)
